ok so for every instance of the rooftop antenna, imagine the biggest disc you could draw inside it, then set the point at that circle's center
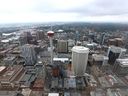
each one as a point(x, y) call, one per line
point(51, 28)
point(76, 36)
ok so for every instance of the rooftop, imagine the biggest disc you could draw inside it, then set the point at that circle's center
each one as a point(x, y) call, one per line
point(53, 94)
point(10, 73)
point(2, 68)
point(117, 49)
point(60, 59)
point(80, 49)
point(10, 58)
point(117, 92)
point(123, 62)
point(99, 57)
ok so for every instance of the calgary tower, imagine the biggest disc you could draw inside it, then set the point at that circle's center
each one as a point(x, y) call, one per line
point(50, 35)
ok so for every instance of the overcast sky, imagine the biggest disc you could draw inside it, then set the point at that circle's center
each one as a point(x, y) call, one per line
point(13, 11)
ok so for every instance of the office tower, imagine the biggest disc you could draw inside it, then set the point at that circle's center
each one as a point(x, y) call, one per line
point(77, 37)
point(29, 54)
point(28, 36)
point(91, 35)
point(114, 53)
point(79, 59)
point(102, 38)
point(71, 43)
point(121, 66)
point(40, 35)
point(62, 46)
point(23, 39)
point(50, 35)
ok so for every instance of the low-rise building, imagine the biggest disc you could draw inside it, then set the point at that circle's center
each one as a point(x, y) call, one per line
point(99, 60)
point(10, 60)
point(9, 79)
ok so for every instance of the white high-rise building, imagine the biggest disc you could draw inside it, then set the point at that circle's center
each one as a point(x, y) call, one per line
point(29, 54)
point(79, 60)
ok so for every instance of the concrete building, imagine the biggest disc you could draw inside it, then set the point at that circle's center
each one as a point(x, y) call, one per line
point(119, 42)
point(98, 92)
point(62, 46)
point(22, 40)
point(121, 66)
point(10, 76)
point(114, 53)
point(40, 35)
point(111, 42)
point(61, 59)
point(10, 60)
point(71, 43)
point(99, 60)
point(25, 38)
point(79, 59)
point(116, 42)
point(29, 54)
point(53, 94)
point(90, 45)
point(70, 83)
point(117, 92)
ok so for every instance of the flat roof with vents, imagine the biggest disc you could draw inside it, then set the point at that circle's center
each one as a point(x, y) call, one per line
point(53, 94)
point(80, 49)
point(123, 62)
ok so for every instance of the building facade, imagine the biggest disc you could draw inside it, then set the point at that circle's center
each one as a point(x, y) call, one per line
point(62, 46)
point(115, 53)
point(29, 54)
point(40, 35)
point(121, 66)
point(79, 60)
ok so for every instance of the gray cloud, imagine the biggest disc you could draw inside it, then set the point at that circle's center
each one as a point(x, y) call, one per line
point(96, 8)
point(65, 10)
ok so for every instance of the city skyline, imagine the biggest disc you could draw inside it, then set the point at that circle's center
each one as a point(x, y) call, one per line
point(22, 11)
